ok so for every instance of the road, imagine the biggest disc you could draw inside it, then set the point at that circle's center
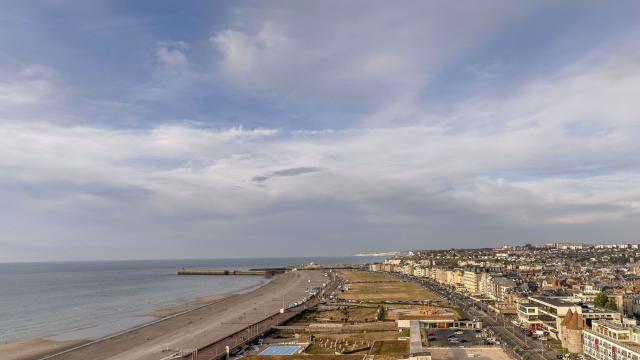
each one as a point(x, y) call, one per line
point(505, 331)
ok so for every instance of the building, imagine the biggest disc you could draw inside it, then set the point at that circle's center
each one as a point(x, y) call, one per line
point(631, 305)
point(528, 315)
point(484, 285)
point(549, 313)
point(611, 340)
point(471, 281)
point(376, 267)
point(571, 330)
point(502, 289)
point(458, 279)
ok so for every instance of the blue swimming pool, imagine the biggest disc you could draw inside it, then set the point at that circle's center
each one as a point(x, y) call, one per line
point(281, 350)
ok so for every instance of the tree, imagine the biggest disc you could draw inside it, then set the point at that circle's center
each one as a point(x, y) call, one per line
point(601, 300)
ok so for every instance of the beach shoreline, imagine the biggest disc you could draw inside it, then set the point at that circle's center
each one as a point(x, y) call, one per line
point(38, 347)
point(198, 302)
point(190, 328)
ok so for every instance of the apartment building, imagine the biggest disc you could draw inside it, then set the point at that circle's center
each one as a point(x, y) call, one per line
point(528, 314)
point(549, 312)
point(611, 340)
point(458, 278)
point(502, 289)
point(420, 271)
point(376, 267)
point(471, 281)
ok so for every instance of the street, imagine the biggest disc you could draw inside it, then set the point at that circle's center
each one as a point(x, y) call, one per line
point(504, 330)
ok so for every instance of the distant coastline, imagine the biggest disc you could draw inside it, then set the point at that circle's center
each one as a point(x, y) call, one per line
point(381, 254)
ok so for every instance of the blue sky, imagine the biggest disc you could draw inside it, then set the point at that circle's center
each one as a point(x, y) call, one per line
point(243, 128)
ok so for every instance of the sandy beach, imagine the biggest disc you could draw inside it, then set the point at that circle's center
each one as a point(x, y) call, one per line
point(35, 348)
point(196, 303)
point(224, 315)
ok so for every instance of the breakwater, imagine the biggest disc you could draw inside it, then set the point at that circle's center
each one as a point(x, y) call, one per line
point(252, 272)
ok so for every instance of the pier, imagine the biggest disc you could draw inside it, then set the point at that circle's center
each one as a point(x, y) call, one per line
point(251, 272)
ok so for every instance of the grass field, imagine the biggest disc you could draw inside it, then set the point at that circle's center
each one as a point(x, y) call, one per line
point(362, 276)
point(361, 336)
point(367, 286)
point(389, 347)
point(417, 312)
point(351, 314)
point(353, 342)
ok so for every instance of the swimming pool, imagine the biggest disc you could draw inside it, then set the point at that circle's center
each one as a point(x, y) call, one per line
point(281, 350)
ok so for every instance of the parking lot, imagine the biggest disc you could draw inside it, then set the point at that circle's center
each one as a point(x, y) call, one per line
point(440, 337)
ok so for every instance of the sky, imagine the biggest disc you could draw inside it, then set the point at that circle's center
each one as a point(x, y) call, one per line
point(210, 129)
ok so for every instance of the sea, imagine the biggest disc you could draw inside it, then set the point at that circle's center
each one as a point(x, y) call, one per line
point(90, 300)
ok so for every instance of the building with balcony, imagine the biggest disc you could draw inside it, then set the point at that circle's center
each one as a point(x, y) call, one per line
point(549, 313)
point(471, 281)
point(528, 314)
point(611, 340)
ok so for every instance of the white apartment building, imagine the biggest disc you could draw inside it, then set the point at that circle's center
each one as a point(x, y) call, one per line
point(471, 281)
point(611, 340)
point(549, 312)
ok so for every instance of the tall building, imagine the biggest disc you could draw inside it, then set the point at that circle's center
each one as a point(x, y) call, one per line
point(471, 281)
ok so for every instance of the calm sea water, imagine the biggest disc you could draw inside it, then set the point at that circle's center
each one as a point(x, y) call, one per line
point(92, 299)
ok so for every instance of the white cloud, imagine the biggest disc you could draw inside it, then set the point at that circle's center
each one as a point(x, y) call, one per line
point(388, 178)
point(560, 152)
point(173, 55)
point(557, 156)
point(371, 53)
point(31, 85)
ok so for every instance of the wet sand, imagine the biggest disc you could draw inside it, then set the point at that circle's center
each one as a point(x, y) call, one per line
point(188, 330)
point(177, 309)
point(34, 349)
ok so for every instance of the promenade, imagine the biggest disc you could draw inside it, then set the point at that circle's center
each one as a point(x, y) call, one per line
point(216, 350)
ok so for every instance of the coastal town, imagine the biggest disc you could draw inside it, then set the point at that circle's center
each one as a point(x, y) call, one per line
point(569, 300)
point(552, 301)
point(555, 301)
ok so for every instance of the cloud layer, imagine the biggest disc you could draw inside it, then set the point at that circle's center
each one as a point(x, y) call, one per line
point(423, 136)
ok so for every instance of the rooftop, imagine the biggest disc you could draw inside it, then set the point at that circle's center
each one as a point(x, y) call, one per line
point(552, 301)
point(627, 344)
point(593, 309)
